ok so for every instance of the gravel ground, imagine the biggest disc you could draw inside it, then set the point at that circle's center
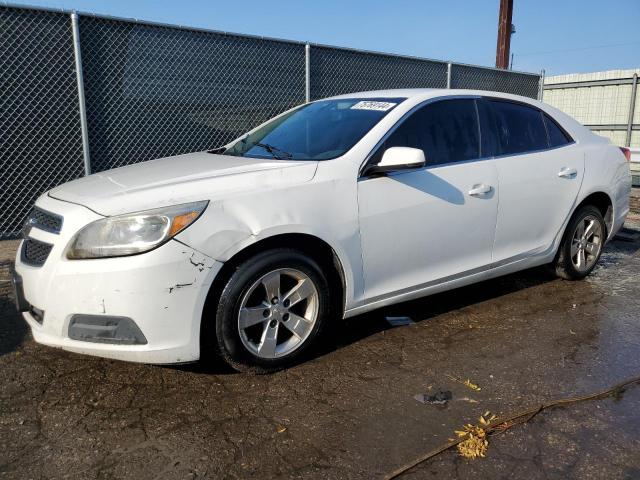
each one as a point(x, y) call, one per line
point(351, 412)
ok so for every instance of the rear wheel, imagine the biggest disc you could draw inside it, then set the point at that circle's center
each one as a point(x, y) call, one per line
point(272, 311)
point(581, 245)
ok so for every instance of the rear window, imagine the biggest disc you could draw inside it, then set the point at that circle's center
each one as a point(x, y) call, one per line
point(520, 128)
point(557, 136)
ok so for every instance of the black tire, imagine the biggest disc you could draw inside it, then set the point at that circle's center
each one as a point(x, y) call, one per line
point(563, 265)
point(227, 342)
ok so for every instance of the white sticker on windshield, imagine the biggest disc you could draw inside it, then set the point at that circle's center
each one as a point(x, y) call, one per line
point(371, 105)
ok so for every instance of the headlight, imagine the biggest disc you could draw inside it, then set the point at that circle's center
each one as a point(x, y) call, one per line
point(132, 233)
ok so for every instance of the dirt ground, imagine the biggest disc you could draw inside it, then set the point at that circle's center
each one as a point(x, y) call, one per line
point(351, 412)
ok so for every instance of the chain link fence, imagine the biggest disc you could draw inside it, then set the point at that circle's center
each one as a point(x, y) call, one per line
point(152, 90)
point(40, 137)
point(337, 71)
point(157, 91)
point(478, 78)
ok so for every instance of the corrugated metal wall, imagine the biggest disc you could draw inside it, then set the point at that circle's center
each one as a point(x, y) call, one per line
point(600, 100)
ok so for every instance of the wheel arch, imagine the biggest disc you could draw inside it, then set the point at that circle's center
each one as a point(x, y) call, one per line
point(599, 199)
point(603, 202)
point(318, 249)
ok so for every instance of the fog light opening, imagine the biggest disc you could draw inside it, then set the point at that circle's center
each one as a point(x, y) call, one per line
point(105, 329)
point(37, 314)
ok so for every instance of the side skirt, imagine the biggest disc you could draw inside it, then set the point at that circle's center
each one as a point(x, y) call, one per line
point(505, 267)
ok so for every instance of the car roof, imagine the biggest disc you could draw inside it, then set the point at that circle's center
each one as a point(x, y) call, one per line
point(426, 93)
point(418, 95)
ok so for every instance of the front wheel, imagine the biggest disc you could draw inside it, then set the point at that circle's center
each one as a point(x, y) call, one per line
point(272, 311)
point(581, 245)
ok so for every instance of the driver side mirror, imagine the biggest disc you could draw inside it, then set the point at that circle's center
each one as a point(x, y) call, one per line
point(399, 158)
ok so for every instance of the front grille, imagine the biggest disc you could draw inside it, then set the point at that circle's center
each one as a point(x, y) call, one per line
point(35, 252)
point(44, 220)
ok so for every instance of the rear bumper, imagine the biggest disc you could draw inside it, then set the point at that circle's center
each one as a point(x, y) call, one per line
point(162, 291)
point(618, 222)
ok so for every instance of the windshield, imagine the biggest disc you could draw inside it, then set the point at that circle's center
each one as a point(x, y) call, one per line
point(317, 131)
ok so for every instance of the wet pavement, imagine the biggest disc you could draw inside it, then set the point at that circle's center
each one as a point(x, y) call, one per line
point(351, 412)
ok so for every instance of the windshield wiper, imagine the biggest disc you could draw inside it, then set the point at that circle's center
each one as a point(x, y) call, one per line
point(272, 150)
point(217, 150)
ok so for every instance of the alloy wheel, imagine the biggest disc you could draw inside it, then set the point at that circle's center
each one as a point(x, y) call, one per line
point(278, 313)
point(586, 243)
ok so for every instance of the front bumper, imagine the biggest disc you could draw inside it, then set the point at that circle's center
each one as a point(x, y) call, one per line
point(163, 291)
point(18, 293)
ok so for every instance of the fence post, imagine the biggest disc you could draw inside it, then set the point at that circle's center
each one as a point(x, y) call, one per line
point(541, 85)
point(448, 74)
point(632, 108)
point(75, 28)
point(307, 73)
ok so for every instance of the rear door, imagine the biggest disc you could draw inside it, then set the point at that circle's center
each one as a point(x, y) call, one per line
point(540, 171)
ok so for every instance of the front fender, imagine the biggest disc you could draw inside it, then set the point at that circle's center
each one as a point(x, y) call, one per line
point(229, 227)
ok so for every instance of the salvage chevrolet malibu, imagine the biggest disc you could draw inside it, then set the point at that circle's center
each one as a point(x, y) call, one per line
point(334, 208)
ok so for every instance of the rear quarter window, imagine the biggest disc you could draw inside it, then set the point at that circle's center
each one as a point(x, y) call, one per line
point(557, 136)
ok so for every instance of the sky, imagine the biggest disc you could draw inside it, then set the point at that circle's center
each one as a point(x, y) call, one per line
point(559, 36)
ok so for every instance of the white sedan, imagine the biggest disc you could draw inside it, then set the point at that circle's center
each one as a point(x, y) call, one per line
point(329, 210)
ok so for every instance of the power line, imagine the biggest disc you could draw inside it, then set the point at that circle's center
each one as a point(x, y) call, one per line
point(594, 47)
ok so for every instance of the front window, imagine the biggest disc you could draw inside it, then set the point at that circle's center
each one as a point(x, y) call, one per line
point(317, 131)
point(446, 131)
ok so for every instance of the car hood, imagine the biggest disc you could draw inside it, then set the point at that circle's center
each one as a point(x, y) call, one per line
point(180, 179)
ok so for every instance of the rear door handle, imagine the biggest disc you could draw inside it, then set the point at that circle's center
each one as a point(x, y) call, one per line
point(567, 172)
point(481, 189)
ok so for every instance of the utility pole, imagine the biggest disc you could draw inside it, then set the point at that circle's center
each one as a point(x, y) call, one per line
point(504, 34)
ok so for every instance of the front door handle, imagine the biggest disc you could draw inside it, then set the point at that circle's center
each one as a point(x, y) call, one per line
point(567, 172)
point(480, 189)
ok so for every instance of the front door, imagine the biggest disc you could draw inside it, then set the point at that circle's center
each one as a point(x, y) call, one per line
point(436, 223)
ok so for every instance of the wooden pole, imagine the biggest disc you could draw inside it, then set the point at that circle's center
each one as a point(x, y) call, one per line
point(504, 34)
